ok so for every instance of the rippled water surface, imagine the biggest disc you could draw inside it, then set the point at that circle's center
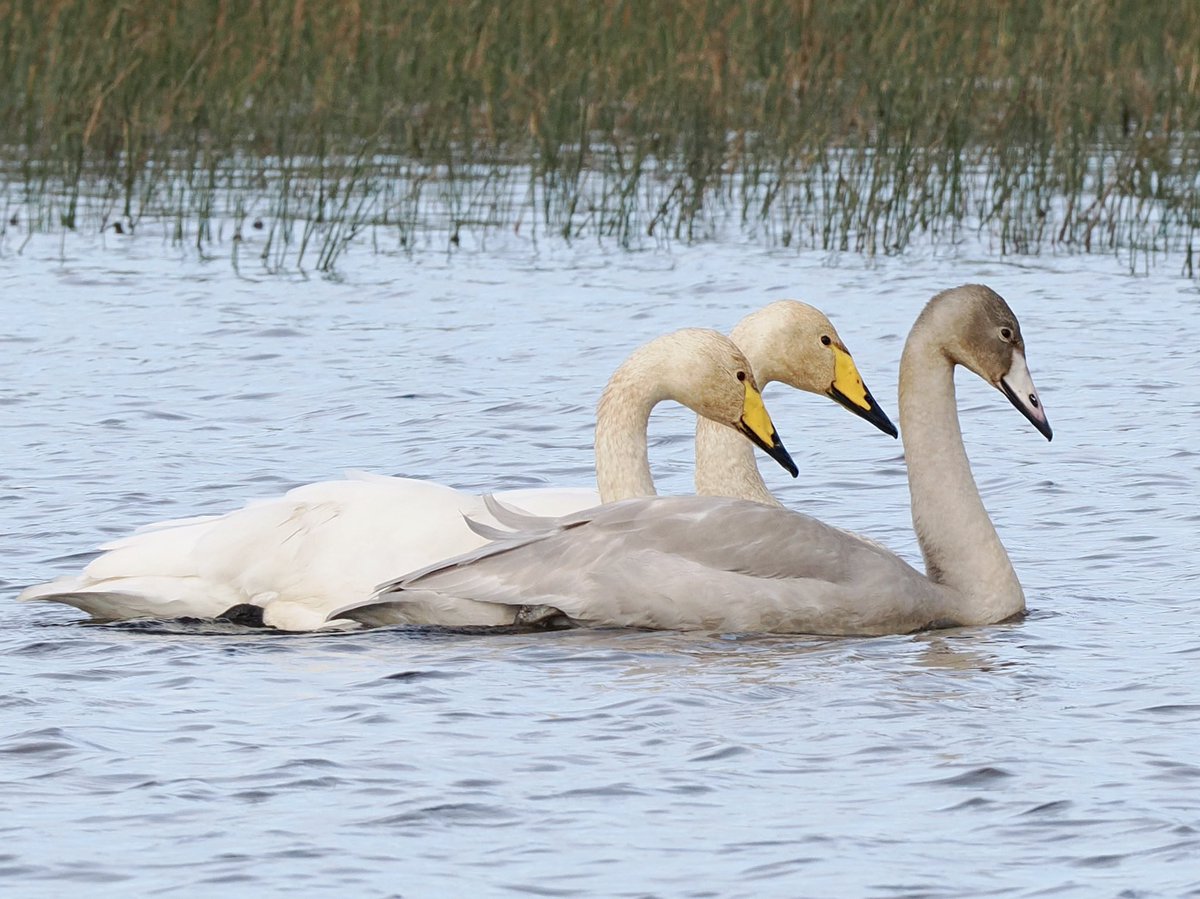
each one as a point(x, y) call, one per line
point(1057, 756)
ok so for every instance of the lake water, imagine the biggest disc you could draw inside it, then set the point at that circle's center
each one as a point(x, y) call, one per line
point(1057, 756)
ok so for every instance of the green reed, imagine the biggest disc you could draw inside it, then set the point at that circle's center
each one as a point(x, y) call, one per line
point(851, 125)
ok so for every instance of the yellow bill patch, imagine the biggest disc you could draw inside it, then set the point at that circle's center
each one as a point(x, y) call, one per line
point(846, 379)
point(755, 417)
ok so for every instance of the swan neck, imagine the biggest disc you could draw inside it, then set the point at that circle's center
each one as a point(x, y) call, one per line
point(726, 466)
point(962, 550)
point(725, 460)
point(622, 416)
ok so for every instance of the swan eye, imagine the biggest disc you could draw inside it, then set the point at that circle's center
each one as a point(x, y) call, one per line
point(1006, 333)
point(825, 339)
point(741, 376)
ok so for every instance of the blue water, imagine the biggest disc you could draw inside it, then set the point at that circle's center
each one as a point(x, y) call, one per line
point(1056, 756)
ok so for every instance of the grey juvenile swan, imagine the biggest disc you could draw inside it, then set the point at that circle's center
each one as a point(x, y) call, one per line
point(731, 565)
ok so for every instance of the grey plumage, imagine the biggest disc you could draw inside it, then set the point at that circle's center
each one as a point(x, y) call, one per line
point(731, 565)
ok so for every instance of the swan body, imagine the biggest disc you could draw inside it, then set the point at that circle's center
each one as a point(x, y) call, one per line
point(322, 545)
point(788, 341)
point(731, 565)
point(295, 556)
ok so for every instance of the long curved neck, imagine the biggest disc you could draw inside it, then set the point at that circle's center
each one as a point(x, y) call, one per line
point(725, 465)
point(962, 550)
point(622, 460)
point(725, 461)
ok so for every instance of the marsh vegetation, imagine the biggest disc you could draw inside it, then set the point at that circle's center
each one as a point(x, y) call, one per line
point(857, 126)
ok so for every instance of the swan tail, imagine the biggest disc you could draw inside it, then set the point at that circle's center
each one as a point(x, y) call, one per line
point(121, 599)
point(101, 605)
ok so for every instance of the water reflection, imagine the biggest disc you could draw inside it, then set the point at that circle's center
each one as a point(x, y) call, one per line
point(940, 653)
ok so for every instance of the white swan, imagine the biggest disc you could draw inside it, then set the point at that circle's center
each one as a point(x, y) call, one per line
point(730, 565)
point(300, 555)
point(287, 561)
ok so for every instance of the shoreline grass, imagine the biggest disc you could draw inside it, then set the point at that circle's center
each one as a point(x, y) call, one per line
point(859, 125)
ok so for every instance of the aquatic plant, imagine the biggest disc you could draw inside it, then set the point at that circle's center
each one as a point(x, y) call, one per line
point(859, 126)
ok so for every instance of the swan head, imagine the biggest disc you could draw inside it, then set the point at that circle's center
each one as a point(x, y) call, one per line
point(987, 339)
point(793, 342)
point(705, 371)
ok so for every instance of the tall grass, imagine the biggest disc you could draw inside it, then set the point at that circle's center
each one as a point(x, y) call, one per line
point(855, 125)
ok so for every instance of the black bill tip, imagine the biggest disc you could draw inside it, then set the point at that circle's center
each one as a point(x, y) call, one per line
point(775, 449)
point(1034, 413)
point(873, 413)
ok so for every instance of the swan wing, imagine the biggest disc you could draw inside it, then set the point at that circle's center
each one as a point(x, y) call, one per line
point(302, 553)
point(686, 563)
point(298, 555)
